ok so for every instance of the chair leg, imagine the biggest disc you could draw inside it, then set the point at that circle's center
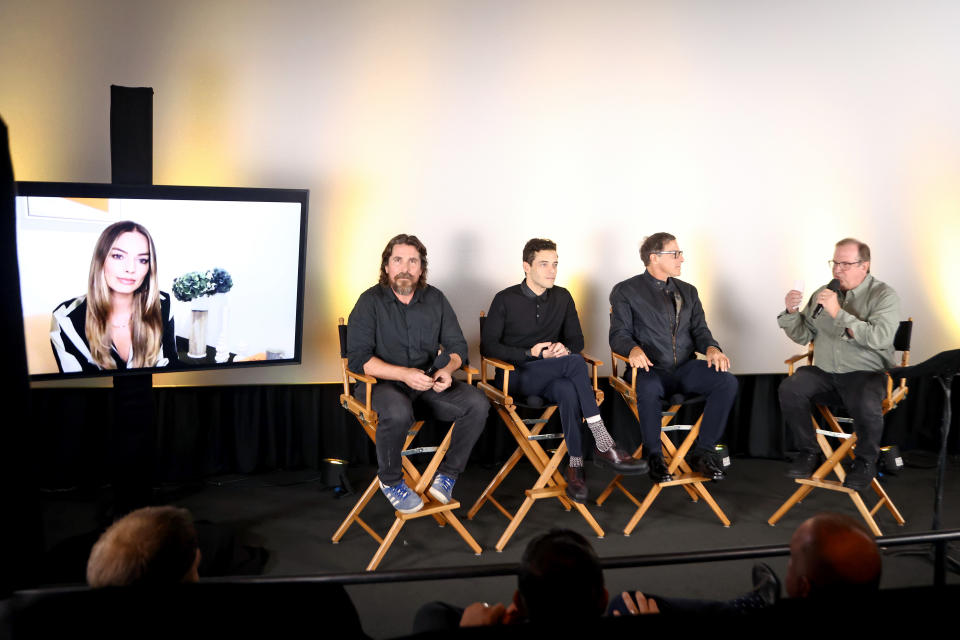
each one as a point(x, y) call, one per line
point(672, 453)
point(698, 486)
point(549, 484)
point(797, 496)
point(589, 518)
point(354, 515)
point(385, 545)
point(497, 479)
point(517, 519)
point(458, 526)
point(862, 508)
point(885, 501)
point(616, 483)
point(647, 501)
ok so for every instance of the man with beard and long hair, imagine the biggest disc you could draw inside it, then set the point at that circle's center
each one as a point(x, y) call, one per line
point(400, 329)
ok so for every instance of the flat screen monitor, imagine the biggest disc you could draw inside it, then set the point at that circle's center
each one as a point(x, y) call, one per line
point(119, 279)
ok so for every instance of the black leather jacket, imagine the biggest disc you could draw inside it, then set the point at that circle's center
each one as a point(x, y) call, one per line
point(644, 314)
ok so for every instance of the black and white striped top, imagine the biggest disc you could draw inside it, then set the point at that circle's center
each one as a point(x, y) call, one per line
point(68, 337)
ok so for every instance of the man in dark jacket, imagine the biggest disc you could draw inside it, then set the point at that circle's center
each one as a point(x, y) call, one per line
point(658, 323)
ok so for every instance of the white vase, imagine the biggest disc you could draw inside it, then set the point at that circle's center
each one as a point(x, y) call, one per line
point(198, 333)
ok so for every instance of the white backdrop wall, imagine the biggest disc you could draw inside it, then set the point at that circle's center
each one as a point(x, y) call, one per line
point(758, 132)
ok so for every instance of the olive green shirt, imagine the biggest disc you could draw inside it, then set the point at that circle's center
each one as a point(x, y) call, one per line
point(872, 313)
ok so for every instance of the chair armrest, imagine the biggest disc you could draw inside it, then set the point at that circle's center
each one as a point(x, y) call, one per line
point(591, 360)
point(470, 371)
point(632, 385)
point(367, 380)
point(500, 364)
point(506, 367)
point(791, 361)
point(594, 366)
point(360, 377)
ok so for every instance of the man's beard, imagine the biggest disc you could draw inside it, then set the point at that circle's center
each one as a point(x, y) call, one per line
point(403, 290)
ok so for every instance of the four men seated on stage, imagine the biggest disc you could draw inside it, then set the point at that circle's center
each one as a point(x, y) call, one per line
point(658, 323)
point(852, 322)
point(534, 326)
point(399, 330)
point(404, 332)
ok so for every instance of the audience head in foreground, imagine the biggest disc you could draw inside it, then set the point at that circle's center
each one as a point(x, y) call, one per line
point(149, 546)
point(832, 553)
point(560, 580)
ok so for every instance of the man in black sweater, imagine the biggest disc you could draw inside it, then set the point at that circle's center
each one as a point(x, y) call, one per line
point(534, 326)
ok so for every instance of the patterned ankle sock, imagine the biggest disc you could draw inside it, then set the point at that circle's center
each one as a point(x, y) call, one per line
point(576, 461)
point(600, 434)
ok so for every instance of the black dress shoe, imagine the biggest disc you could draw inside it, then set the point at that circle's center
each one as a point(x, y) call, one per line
point(765, 593)
point(620, 461)
point(576, 484)
point(659, 472)
point(860, 474)
point(766, 584)
point(706, 463)
point(804, 464)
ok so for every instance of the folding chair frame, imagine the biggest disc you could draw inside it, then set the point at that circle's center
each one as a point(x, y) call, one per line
point(835, 456)
point(417, 481)
point(683, 475)
point(550, 482)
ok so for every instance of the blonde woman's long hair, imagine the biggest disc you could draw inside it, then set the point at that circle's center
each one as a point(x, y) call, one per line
point(146, 323)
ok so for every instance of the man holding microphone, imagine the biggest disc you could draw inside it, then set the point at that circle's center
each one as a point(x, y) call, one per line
point(852, 322)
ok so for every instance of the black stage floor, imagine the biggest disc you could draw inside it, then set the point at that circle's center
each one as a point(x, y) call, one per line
point(292, 515)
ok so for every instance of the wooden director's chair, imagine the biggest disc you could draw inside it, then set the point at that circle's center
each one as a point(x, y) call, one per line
point(417, 481)
point(683, 475)
point(527, 432)
point(901, 343)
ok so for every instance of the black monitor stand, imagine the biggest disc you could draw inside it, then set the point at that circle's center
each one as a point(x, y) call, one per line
point(134, 434)
point(944, 367)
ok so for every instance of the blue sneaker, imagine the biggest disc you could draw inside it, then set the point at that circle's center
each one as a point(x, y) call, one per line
point(402, 498)
point(442, 488)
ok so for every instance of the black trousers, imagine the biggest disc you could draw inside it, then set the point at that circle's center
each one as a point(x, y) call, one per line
point(393, 401)
point(563, 381)
point(860, 392)
point(692, 377)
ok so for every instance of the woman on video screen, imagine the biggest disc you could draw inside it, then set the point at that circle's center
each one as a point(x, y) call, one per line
point(123, 322)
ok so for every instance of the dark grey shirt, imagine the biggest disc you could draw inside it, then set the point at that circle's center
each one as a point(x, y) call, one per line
point(406, 335)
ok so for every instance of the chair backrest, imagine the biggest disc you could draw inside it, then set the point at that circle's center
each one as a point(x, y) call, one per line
point(342, 328)
point(345, 377)
point(901, 340)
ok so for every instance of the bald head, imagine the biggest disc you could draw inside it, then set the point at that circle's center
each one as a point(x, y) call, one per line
point(153, 545)
point(829, 553)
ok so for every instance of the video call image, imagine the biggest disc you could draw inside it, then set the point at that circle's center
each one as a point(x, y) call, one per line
point(110, 284)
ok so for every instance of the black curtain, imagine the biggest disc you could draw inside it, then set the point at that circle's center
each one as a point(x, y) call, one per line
point(208, 431)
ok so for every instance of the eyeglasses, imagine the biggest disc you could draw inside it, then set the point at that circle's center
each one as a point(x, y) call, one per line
point(843, 265)
point(676, 254)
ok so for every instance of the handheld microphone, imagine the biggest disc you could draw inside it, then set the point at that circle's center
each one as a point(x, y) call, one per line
point(833, 286)
point(439, 362)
